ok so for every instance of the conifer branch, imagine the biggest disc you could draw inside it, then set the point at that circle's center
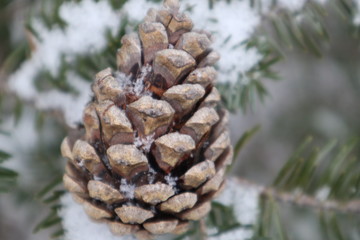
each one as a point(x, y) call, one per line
point(203, 229)
point(304, 200)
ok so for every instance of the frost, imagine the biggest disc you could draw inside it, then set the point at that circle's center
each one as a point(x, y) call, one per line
point(151, 175)
point(245, 201)
point(323, 193)
point(139, 86)
point(292, 5)
point(81, 163)
point(145, 143)
point(127, 189)
point(124, 80)
point(97, 178)
point(357, 18)
point(321, 1)
point(171, 181)
point(85, 33)
point(79, 226)
point(137, 9)
point(136, 86)
point(230, 24)
point(23, 139)
point(357, 13)
point(71, 105)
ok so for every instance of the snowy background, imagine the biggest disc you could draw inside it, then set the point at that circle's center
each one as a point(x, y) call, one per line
point(316, 96)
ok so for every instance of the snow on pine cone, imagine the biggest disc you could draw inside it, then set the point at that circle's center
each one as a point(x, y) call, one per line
point(155, 145)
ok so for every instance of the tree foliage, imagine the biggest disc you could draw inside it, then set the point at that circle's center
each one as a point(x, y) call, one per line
point(320, 182)
point(7, 176)
point(324, 179)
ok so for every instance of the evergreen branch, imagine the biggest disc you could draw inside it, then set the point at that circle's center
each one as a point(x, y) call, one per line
point(50, 195)
point(244, 139)
point(203, 230)
point(243, 93)
point(306, 28)
point(310, 170)
point(8, 177)
point(312, 202)
point(223, 218)
point(304, 200)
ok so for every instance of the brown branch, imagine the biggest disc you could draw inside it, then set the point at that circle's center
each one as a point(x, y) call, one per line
point(203, 229)
point(304, 200)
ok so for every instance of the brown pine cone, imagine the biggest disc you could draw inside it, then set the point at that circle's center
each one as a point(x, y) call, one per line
point(155, 146)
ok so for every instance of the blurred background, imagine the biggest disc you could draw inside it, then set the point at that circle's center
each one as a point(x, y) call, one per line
point(315, 96)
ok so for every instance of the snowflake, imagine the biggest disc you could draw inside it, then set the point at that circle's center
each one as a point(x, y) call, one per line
point(138, 87)
point(172, 181)
point(151, 175)
point(127, 189)
point(144, 143)
point(97, 178)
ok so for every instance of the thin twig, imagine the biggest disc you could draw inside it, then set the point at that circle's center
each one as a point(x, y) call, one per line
point(305, 200)
point(203, 229)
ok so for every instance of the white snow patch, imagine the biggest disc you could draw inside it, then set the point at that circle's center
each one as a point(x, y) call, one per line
point(323, 193)
point(244, 198)
point(137, 9)
point(81, 163)
point(139, 85)
point(80, 227)
point(151, 175)
point(127, 189)
point(97, 178)
point(123, 79)
point(357, 14)
point(357, 18)
point(71, 105)
point(245, 201)
point(145, 142)
point(136, 86)
point(171, 180)
point(19, 144)
point(231, 25)
point(321, 1)
point(292, 5)
point(87, 22)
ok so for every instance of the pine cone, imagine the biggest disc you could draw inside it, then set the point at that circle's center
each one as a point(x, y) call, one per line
point(155, 144)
